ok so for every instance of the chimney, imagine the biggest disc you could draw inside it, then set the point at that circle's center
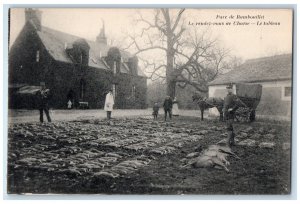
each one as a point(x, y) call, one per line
point(34, 16)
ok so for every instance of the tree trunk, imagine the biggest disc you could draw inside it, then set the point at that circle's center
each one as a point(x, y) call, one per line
point(170, 75)
point(171, 83)
point(171, 86)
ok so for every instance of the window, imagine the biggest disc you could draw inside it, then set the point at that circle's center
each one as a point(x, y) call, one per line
point(287, 91)
point(114, 90)
point(82, 89)
point(115, 67)
point(133, 91)
point(37, 56)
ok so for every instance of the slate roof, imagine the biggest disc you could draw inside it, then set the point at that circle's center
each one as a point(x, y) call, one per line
point(55, 42)
point(274, 68)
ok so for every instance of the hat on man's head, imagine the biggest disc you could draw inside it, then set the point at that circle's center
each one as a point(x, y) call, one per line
point(42, 83)
point(229, 86)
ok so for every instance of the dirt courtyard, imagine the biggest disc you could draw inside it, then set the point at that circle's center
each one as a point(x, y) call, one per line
point(136, 155)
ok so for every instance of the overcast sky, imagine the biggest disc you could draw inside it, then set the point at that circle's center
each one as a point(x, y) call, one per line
point(246, 41)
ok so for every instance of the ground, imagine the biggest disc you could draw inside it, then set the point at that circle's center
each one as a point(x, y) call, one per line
point(133, 154)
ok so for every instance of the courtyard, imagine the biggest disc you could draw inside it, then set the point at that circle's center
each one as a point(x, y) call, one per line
point(133, 154)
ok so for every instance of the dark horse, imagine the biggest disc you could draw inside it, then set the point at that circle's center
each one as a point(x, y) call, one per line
point(211, 102)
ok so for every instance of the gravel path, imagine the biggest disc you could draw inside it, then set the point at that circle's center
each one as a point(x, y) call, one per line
point(24, 116)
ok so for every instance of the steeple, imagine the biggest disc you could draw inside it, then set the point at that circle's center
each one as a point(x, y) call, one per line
point(101, 38)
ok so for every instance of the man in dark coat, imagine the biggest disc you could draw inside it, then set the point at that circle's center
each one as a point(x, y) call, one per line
point(168, 105)
point(43, 96)
point(229, 108)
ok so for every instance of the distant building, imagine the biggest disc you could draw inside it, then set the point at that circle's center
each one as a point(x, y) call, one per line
point(73, 68)
point(273, 73)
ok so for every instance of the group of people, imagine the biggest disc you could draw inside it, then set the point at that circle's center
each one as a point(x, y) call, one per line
point(170, 107)
point(44, 95)
point(229, 107)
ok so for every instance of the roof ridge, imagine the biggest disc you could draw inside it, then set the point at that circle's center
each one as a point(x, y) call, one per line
point(276, 67)
point(75, 36)
point(268, 57)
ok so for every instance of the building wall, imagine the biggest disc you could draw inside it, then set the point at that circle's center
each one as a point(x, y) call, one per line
point(25, 67)
point(23, 64)
point(61, 78)
point(273, 100)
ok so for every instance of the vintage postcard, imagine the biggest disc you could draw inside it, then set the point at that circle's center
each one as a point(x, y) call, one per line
point(162, 101)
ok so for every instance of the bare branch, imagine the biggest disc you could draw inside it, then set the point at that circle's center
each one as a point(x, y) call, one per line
point(192, 58)
point(177, 19)
point(197, 86)
point(139, 49)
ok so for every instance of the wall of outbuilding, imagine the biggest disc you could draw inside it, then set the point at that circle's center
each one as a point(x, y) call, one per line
point(273, 101)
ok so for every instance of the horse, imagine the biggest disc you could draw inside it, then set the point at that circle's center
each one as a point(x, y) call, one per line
point(211, 102)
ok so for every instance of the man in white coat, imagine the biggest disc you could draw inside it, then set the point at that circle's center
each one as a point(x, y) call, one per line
point(109, 103)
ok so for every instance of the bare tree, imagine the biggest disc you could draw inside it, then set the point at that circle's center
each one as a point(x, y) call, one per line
point(189, 58)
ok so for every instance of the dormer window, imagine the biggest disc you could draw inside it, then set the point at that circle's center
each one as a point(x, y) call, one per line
point(79, 52)
point(113, 59)
point(37, 58)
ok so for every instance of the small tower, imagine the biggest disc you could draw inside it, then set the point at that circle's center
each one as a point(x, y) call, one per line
point(101, 38)
point(34, 16)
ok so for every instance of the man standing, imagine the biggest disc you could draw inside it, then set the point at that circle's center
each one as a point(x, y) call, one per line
point(229, 108)
point(43, 96)
point(109, 103)
point(155, 110)
point(168, 104)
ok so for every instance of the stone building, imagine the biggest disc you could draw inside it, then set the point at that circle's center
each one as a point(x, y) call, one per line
point(273, 73)
point(73, 68)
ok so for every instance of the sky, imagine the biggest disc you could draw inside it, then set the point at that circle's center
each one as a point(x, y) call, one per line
point(244, 41)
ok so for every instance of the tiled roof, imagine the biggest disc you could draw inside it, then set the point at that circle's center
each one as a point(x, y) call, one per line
point(55, 42)
point(273, 68)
